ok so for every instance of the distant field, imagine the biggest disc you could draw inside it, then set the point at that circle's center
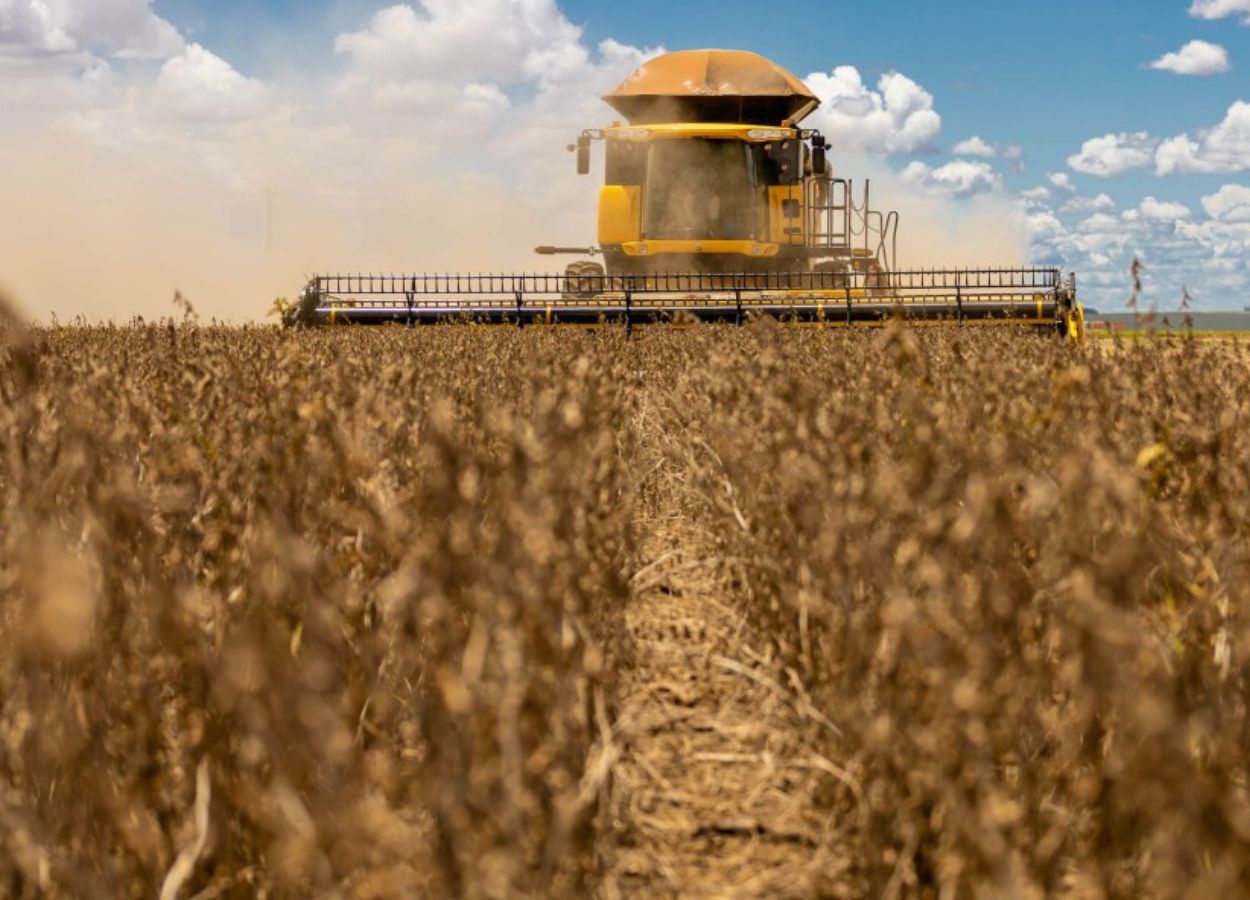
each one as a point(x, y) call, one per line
point(1198, 322)
point(1101, 335)
point(497, 613)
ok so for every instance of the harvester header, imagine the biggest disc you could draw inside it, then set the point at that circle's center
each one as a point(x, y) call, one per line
point(716, 204)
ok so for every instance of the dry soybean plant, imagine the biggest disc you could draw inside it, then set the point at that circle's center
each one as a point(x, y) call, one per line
point(339, 613)
point(1014, 573)
point(302, 614)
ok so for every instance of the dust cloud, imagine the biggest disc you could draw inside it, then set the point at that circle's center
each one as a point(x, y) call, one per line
point(941, 231)
point(104, 230)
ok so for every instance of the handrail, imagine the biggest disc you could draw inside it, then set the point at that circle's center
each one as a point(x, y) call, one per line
point(1021, 279)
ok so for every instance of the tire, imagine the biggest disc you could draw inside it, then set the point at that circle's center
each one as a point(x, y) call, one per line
point(583, 281)
point(876, 278)
point(831, 275)
point(304, 313)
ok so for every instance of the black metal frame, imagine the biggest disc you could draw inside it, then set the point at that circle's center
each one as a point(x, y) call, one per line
point(1028, 295)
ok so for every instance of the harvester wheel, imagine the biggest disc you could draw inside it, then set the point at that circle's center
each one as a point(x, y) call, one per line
point(304, 313)
point(876, 278)
point(832, 275)
point(583, 281)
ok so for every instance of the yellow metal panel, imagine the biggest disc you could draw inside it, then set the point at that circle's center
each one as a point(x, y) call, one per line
point(620, 213)
point(777, 221)
point(746, 248)
point(717, 73)
point(695, 75)
point(700, 130)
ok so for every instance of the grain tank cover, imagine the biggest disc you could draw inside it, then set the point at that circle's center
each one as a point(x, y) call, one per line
point(712, 86)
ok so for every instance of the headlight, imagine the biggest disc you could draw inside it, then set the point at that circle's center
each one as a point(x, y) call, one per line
point(632, 134)
point(770, 134)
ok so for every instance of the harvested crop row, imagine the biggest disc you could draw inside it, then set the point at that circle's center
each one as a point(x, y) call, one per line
point(1014, 575)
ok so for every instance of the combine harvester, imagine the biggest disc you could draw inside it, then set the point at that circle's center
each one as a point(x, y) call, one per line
point(716, 206)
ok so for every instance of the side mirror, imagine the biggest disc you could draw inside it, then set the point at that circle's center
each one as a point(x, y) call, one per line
point(583, 155)
point(819, 163)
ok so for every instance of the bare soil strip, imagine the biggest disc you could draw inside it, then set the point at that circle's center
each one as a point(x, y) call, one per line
point(716, 791)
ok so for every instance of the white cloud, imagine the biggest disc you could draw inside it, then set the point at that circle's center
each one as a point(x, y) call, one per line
point(445, 63)
point(485, 98)
point(25, 24)
point(1114, 154)
point(1042, 223)
point(1231, 203)
point(33, 87)
point(1160, 210)
point(1195, 58)
point(197, 85)
point(1219, 9)
point(976, 146)
point(122, 28)
point(445, 73)
point(1211, 257)
point(1098, 222)
point(1224, 148)
point(1101, 203)
point(898, 117)
point(961, 178)
point(500, 41)
point(344, 187)
point(1062, 181)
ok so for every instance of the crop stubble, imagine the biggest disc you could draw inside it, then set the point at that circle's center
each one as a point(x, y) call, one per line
point(486, 613)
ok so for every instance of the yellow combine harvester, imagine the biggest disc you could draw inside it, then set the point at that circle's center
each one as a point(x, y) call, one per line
point(716, 205)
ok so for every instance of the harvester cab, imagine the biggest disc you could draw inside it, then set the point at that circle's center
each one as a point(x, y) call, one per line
point(716, 205)
point(713, 174)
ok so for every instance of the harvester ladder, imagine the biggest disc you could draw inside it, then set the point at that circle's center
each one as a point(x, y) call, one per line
point(829, 207)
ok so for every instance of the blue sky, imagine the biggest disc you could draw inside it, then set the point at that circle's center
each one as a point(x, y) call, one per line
point(1046, 76)
point(1088, 152)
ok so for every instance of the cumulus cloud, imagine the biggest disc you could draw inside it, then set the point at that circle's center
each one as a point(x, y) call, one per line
point(1219, 9)
point(1101, 203)
point(450, 63)
point(1098, 222)
point(200, 86)
point(1041, 222)
point(1211, 257)
point(1159, 211)
point(974, 146)
point(1224, 148)
point(961, 178)
point(454, 59)
point(122, 28)
point(346, 191)
point(166, 138)
point(488, 40)
point(1114, 154)
point(898, 117)
point(977, 146)
point(1195, 58)
point(1062, 181)
point(1231, 203)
